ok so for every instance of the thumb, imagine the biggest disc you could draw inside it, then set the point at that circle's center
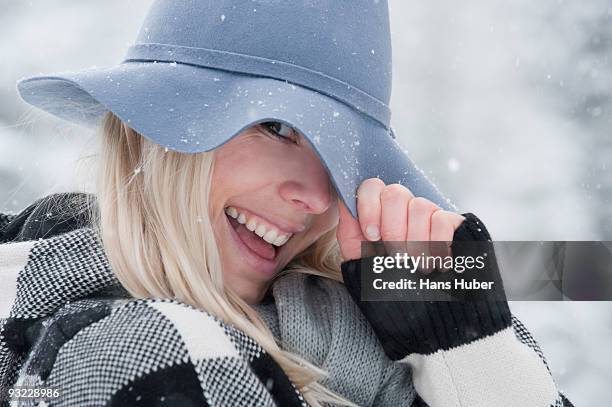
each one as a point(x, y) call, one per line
point(348, 234)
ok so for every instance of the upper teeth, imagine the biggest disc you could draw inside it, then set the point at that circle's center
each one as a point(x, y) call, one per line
point(267, 232)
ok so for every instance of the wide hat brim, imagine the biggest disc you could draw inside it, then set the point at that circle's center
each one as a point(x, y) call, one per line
point(193, 109)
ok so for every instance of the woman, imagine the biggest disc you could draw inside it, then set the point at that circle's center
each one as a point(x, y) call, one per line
point(245, 155)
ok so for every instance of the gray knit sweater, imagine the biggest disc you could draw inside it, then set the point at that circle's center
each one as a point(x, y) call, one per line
point(318, 319)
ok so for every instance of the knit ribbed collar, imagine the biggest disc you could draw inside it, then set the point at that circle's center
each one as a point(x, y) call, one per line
point(315, 317)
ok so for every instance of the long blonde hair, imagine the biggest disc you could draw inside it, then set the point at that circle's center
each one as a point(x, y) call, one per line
point(153, 219)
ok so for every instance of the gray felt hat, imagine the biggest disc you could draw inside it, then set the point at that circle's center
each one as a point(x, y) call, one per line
point(201, 71)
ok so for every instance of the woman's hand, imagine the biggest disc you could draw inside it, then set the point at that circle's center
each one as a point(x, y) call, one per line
point(392, 213)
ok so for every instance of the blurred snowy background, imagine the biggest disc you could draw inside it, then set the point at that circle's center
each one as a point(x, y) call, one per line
point(506, 105)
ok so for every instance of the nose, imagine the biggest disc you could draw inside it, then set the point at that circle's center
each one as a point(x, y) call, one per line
point(308, 188)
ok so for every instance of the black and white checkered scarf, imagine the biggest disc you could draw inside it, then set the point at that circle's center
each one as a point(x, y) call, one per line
point(67, 325)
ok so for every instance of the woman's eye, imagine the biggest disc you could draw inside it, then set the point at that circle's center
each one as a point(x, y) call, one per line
point(279, 129)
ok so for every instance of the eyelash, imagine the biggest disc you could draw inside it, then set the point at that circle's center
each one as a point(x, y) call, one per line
point(269, 126)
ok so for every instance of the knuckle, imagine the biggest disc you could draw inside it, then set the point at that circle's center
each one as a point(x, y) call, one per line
point(393, 233)
point(395, 192)
point(420, 204)
point(439, 216)
point(372, 183)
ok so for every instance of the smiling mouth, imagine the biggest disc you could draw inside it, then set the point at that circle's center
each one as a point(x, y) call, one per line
point(265, 230)
point(262, 238)
point(253, 242)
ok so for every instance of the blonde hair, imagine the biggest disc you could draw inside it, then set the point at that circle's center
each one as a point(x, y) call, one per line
point(153, 219)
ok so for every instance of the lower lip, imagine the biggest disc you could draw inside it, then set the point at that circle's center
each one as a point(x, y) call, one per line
point(264, 266)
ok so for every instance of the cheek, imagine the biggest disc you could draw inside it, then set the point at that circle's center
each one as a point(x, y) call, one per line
point(332, 216)
point(244, 167)
point(323, 223)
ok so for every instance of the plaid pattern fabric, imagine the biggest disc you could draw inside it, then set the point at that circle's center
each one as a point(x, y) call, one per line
point(99, 349)
point(138, 343)
point(62, 268)
point(525, 337)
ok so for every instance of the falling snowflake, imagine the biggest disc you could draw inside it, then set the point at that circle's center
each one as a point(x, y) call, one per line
point(453, 165)
point(596, 111)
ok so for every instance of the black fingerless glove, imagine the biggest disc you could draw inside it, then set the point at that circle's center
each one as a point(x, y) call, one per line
point(405, 327)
